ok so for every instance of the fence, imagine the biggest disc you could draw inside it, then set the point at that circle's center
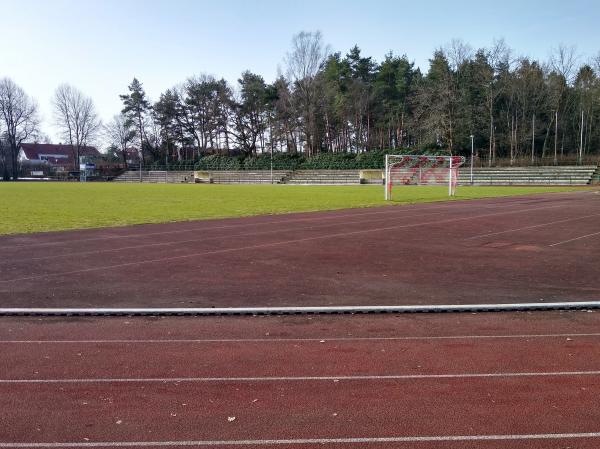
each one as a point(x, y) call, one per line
point(524, 161)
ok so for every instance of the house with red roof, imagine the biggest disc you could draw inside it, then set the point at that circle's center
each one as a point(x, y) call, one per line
point(59, 156)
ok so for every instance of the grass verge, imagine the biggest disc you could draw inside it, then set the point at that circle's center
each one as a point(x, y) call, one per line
point(27, 207)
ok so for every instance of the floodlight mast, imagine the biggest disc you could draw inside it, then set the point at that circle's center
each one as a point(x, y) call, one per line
point(386, 178)
point(472, 158)
point(271, 162)
point(450, 178)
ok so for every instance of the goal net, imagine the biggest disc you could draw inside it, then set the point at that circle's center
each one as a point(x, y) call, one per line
point(410, 169)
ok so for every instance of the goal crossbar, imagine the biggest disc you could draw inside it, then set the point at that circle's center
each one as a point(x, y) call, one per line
point(414, 169)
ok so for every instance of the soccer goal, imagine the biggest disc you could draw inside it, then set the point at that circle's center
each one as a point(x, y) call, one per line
point(411, 169)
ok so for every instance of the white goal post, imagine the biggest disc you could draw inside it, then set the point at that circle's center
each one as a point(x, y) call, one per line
point(414, 169)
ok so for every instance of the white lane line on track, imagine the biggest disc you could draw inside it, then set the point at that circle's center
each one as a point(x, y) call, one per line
point(304, 441)
point(576, 238)
point(531, 227)
point(310, 340)
point(326, 215)
point(208, 239)
point(266, 245)
point(300, 378)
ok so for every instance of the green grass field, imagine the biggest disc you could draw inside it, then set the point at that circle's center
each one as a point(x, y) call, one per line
point(35, 207)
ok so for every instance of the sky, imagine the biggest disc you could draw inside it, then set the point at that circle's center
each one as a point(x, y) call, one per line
point(98, 46)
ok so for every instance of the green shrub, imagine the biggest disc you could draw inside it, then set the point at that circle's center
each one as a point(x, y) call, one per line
point(330, 161)
point(281, 161)
point(374, 159)
point(219, 162)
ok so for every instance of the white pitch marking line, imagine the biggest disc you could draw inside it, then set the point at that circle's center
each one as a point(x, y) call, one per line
point(299, 378)
point(315, 339)
point(237, 225)
point(208, 239)
point(532, 227)
point(498, 204)
point(180, 242)
point(576, 238)
point(266, 245)
point(299, 441)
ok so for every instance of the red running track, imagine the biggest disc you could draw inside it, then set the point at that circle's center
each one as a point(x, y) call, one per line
point(481, 381)
point(504, 250)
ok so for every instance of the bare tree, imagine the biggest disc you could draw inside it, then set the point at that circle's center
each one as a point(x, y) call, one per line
point(304, 62)
point(4, 157)
point(19, 118)
point(564, 61)
point(120, 133)
point(307, 57)
point(76, 118)
point(499, 60)
point(457, 52)
point(4, 153)
point(595, 62)
point(500, 55)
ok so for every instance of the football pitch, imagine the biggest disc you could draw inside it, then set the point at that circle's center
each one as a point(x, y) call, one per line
point(106, 359)
point(28, 207)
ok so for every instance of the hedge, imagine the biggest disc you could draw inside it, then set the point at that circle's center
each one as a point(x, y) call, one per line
point(219, 162)
point(287, 161)
point(281, 161)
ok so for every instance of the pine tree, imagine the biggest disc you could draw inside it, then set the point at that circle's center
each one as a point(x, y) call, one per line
point(135, 107)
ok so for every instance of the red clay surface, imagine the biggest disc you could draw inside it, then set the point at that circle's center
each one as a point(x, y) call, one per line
point(496, 380)
point(521, 249)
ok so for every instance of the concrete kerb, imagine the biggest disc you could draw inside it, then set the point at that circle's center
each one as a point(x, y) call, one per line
point(219, 311)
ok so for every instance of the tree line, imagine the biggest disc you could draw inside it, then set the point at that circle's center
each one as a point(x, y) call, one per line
point(510, 108)
point(515, 108)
